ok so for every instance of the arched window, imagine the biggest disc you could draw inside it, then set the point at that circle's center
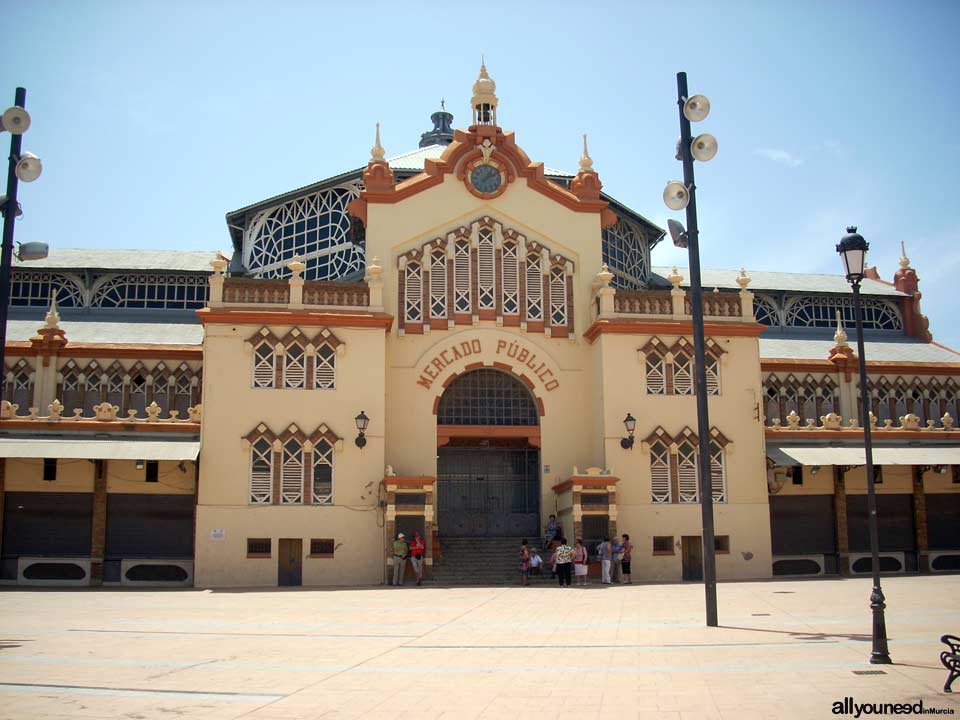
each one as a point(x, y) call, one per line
point(438, 283)
point(35, 288)
point(765, 311)
point(486, 271)
point(150, 291)
point(412, 292)
point(291, 473)
point(325, 368)
point(261, 471)
point(294, 367)
point(511, 279)
point(461, 277)
point(323, 473)
point(487, 397)
point(660, 472)
point(264, 365)
point(821, 312)
point(626, 253)
point(534, 287)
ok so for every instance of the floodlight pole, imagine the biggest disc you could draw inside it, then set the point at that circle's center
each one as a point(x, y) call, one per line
point(9, 218)
point(700, 369)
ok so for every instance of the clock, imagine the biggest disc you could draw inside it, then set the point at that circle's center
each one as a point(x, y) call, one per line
point(486, 179)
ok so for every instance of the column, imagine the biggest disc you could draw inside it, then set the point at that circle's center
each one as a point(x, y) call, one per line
point(98, 538)
point(840, 511)
point(920, 520)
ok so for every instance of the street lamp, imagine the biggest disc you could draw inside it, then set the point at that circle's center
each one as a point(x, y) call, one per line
point(630, 423)
point(23, 166)
point(362, 421)
point(853, 249)
point(679, 196)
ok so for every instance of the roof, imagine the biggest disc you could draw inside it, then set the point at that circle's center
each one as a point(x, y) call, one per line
point(817, 347)
point(107, 259)
point(91, 449)
point(902, 454)
point(790, 282)
point(125, 332)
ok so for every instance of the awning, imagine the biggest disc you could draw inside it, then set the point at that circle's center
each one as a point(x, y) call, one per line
point(853, 455)
point(99, 449)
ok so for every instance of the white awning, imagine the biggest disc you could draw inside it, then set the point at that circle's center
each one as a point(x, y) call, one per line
point(99, 449)
point(826, 455)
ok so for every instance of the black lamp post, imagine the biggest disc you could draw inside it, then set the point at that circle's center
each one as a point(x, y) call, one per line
point(362, 421)
point(22, 166)
point(678, 196)
point(853, 249)
point(630, 423)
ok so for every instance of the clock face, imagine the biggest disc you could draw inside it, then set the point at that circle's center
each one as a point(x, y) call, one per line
point(486, 178)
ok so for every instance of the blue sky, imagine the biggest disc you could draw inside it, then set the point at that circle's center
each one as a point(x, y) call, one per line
point(155, 119)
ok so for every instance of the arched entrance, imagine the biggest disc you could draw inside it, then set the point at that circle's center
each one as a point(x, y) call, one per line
point(488, 457)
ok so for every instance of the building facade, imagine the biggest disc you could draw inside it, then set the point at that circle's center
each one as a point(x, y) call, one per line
point(449, 341)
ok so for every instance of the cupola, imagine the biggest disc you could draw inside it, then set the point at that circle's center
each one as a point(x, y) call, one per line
point(442, 133)
point(484, 100)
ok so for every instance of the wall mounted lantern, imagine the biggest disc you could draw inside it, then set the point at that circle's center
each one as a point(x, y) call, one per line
point(362, 421)
point(630, 423)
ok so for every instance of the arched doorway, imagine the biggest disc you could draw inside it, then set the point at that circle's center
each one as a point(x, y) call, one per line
point(488, 459)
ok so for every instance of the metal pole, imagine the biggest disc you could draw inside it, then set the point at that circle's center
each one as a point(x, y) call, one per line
point(9, 217)
point(700, 374)
point(879, 655)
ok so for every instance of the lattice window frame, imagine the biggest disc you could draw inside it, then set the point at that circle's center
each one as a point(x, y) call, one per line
point(34, 288)
point(322, 457)
point(661, 471)
point(819, 311)
point(486, 269)
point(626, 252)
point(150, 291)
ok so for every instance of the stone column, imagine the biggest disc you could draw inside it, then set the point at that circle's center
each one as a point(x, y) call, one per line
point(840, 510)
point(3, 490)
point(920, 520)
point(98, 536)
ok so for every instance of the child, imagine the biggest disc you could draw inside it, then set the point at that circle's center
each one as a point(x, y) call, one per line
point(535, 562)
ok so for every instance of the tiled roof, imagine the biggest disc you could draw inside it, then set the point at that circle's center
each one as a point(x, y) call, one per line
point(122, 332)
point(109, 259)
point(902, 349)
point(791, 282)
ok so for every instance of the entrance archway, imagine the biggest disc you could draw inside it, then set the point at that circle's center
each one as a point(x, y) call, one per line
point(488, 457)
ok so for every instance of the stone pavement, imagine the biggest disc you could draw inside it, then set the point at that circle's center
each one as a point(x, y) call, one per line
point(785, 649)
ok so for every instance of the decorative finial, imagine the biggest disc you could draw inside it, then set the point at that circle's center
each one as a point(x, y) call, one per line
point(53, 317)
point(840, 336)
point(675, 278)
point(443, 104)
point(743, 279)
point(377, 153)
point(904, 260)
point(586, 162)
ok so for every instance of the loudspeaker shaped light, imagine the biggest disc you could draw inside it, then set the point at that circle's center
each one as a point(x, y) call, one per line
point(675, 195)
point(29, 167)
point(677, 233)
point(15, 121)
point(696, 108)
point(703, 147)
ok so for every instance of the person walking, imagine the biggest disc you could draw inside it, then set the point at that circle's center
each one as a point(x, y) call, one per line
point(417, 550)
point(564, 562)
point(524, 563)
point(400, 552)
point(580, 565)
point(626, 554)
point(605, 552)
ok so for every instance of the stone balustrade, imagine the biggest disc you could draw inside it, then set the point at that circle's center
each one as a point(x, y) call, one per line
point(347, 294)
point(255, 291)
point(834, 422)
point(104, 412)
point(638, 302)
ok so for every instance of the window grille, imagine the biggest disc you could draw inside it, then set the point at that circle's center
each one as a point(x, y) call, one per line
point(687, 473)
point(558, 297)
point(413, 292)
point(323, 473)
point(71, 388)
point(295, 367)
point(627, 254)
point(718, 475)
point(765, 311)
point(315, 227)
point(656, 378)
point(821, 312)
point(264, 368)
point(325, 370)
point(168, 292)
point(660, 473)
point(461, 277)
point(663, 545)
point(511, 279)
point(138, 394)
point(534, 288)
point(261, 472)
point(322, 546)
point(487, 397)
point(94, 387)
point(259, 547)
point(438, 284)
point(291, 473)
point(20, 391)
point(682, 374)
point(182, 392)
point(115, 386)
point(34, 289)
point(772, 394)
point(713, 376)
point(486, 271)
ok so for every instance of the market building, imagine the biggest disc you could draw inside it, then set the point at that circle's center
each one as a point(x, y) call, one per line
point(448, 341)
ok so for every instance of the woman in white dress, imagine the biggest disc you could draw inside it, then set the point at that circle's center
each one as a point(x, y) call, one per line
point(580, 565)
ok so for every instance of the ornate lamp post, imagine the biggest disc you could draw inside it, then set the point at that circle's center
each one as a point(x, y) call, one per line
point(678, 196)
point(853, 249)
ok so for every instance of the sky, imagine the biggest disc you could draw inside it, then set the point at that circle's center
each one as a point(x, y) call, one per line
point(155, 119)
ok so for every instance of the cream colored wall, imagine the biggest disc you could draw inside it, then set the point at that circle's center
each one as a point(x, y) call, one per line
point(26, 475)
point(232, 408)
point(819, 484)
point(745, 517)
point(936, 483)
point(897, 480)
point(123, 477)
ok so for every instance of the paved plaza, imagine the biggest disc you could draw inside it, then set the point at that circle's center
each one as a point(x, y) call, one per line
point(785, 649)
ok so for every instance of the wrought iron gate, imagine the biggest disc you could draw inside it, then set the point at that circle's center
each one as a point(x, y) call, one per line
point(488, 492)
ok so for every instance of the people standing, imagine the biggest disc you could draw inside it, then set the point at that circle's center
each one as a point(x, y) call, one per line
point(580, 565)
point(626, 555)
point(417, 550)
point(400, 552)
point(617, 547)
point(535, 562)
point(564, 562)
point(605, 552)
point(524, 564)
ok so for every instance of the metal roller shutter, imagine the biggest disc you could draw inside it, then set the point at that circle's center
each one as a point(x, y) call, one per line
point(47, 524)
point(149, 526)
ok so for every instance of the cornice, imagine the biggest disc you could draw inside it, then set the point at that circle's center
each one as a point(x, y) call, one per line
point(302, 318)
point(669, 327)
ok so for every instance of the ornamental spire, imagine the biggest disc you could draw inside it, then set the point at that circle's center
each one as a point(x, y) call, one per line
point(484, 101)
point(377, 153)
point(904, 260)
point(586, 162)
point(52, 318)
point(840, 336)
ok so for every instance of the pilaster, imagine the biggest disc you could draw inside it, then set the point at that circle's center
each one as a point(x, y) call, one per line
point(98, 536)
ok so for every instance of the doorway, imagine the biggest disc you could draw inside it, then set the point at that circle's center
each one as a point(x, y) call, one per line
point(692, 554)
point(290, 562)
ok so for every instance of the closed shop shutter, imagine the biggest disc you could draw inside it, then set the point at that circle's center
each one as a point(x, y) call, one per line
point(149, 526)
point(47, 524)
